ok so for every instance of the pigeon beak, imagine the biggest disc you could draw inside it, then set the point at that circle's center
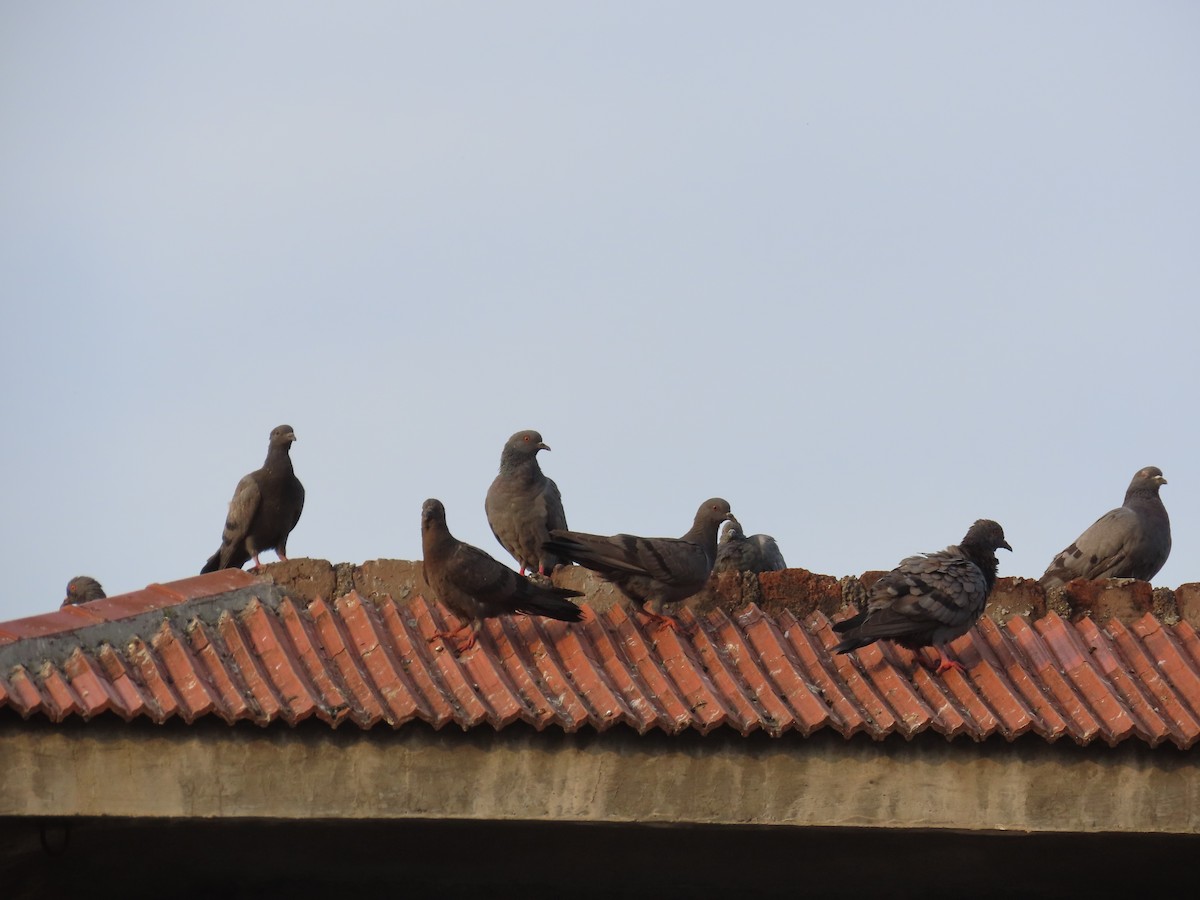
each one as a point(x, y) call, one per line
point(1004, 544)
point(732, 518)
point(543, 446)
point(292, 437)
point(1160, 480)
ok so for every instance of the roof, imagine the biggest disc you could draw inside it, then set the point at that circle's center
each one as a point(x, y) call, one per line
point(231, 646)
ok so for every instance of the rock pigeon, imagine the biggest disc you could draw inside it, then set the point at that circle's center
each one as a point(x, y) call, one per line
point(1131, 541)
point(523, 505)
point(82, 589)
point(477, 587)
point(265, 508)
point(930, 599)
point(738, 553)
point(665, 570)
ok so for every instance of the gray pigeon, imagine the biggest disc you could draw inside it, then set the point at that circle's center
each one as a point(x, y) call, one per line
point(523, 505)
point(477, 587)
point(1131, 541)
point(930, 599)
point(265, 508)
point(738, 553)
point(665, 570)
point(83, 589)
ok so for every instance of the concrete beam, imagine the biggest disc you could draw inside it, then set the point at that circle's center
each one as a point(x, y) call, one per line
point(212, 771)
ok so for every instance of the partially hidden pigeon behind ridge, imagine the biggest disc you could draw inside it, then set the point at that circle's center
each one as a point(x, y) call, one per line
point(738, 553)
point(1131, 541)
point(83, 589)
point(663, 570)
point(266, 506)
point(477, 587)
point(930, 599)
point(523, 505)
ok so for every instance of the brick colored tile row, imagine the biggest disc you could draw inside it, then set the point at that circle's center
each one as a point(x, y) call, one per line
point(376, 663)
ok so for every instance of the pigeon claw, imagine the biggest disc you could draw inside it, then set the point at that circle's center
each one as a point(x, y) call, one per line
point(662, 621)
point(452, 638)
point(945, 663)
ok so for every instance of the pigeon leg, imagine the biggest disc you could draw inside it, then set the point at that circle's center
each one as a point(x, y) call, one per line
point(945, 663)
point(257, 564)
point(282, 555)
point(451, 637)
point(663, 621)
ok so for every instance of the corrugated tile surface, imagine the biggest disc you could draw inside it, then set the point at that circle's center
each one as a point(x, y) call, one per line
point(229, 646)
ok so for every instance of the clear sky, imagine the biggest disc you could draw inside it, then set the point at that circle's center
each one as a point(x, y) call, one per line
point(869, 271)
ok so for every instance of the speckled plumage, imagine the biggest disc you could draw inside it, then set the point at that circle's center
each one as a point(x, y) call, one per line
point(931, 598)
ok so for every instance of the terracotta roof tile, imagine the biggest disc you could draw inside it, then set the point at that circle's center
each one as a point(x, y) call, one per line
point(231, 646)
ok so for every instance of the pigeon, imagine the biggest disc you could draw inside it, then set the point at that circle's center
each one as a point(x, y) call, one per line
point(665, 570)
point(738, 553)
point(523, 505)
point(82, 589)
point(1131, 541)
point(265, 508)
point(931, 598)
point(477, 587)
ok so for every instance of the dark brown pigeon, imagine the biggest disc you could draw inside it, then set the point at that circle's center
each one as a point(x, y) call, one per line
point(82, 589)
point(1131, 541)
point(738, 553)
point(523, 505)
point(665, 570)
point(265, 508)
point(930, 599)
point(477, 587)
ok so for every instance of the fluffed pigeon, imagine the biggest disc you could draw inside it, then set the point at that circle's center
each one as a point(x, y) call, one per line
point(930, 599)
point(523, 505)
point(477, 587)
point(1131, 541)
point(738, 553)
point(82, 589)
point(665, 570)
point(265, 508)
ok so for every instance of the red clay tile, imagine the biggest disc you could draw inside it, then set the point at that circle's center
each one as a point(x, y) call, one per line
point(196, 698)
point(786, 674)
point(413, 654)
point(373, 648)
point(119, 675)
point(673, 713)
point(268, 642)
point(154, 676)
point(333, 706)
point(366, 707)
point(60, 699)
point(92, 687)
point(371, 662)
point(25, 696)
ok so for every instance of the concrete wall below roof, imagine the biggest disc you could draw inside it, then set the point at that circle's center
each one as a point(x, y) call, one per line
point(210, 770)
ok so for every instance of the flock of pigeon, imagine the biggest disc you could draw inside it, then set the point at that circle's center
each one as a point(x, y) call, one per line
point(926, 601)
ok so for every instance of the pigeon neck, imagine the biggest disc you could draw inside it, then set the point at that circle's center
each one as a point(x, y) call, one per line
point(985, 558)
point(705, 535)
point(520, 466)
point(279, 461)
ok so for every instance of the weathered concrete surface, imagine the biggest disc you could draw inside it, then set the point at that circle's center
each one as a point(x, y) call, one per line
point(205, 771)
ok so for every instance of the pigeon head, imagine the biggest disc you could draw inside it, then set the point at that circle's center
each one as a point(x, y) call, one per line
point(1146, 481)
point(432, 511)
point(714, 512)
point(986, 535)
point(524, 444)
point(282, 436)
point(81, 589)
point(732, 531)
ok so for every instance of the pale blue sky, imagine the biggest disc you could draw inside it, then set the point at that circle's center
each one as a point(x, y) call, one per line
point(868, 272)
